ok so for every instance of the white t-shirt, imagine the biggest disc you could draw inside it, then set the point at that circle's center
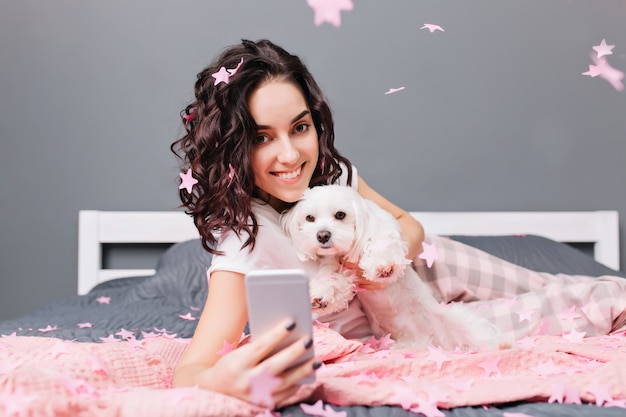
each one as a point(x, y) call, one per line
point(272, 250)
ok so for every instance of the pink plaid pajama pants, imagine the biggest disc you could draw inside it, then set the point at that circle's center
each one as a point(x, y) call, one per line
point(519, 301)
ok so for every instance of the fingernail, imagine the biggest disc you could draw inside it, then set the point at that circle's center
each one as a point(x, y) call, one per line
point(290, 326)
point(308, 343)
point(316, 365)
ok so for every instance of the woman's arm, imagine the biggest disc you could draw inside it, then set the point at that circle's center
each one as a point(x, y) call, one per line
point(223, 320)
point(412, 230)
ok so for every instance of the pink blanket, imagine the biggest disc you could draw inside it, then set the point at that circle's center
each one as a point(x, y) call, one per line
point(47, 376)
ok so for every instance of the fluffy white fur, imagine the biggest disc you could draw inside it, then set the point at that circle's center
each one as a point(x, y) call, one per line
point(333, 223)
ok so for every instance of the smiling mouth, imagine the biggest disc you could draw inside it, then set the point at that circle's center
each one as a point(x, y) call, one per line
point(290, 175)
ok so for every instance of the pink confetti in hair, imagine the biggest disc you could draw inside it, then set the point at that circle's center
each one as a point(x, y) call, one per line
point(234, 70)
point(224, 74)
point(191, 116)
point(231, 174)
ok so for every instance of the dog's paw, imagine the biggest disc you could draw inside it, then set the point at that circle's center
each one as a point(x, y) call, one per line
point(385, 271)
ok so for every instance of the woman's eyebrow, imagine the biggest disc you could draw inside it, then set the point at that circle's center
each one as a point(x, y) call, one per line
point(295, 119)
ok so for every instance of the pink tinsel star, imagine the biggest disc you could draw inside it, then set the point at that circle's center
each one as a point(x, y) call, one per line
point(187, 181)
point(432, 27)
point(226, 347)
point(438, 356)
point(569, 314)
point(329, 10)
point(262, 386)
point(429, 253)
point(222, 76)
point(490, 365)
point(603, 49)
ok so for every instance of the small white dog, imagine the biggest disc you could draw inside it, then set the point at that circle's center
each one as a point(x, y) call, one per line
point(332, 224)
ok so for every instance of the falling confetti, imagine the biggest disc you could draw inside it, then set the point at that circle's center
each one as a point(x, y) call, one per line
point(329, 10)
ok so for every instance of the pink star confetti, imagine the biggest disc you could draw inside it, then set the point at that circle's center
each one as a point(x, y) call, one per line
point(601, 392)
point(222, 76)
point(109, 339)
point(394, 90)
point(386, 342)
point(587, 308)
point(603, 49)
point(187, 181)
point(187, 316)
point(125, 334)
point(490, 365)
point(226, 347)
point(262, 386)
point(231, 174)
point(564, 393)
point(507, 414)
point(49, 329)
point(84, 325)
point(432, 27)
point(234, 70)
point(429, 254)
point(546, 368)
point(331, 412)
point(438, 356)
point(17, 402)
point(525, 314)
point(574, 336)
point(428, 409)
point(604, 70)
point(316, 409)
point(103, 300)
point(191, 116)
point(366, 378)
point(405, 397)
point(569, 314)
point(329, 10)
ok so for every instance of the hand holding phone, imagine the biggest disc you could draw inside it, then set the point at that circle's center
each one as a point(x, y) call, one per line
point(274, 295)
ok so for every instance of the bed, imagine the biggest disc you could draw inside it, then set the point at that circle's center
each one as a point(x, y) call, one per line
point(111, 349)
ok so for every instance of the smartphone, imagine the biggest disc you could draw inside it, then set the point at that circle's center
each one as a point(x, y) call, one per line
point(274, 295)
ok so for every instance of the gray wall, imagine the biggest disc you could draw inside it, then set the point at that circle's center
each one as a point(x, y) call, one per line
point(495, 115)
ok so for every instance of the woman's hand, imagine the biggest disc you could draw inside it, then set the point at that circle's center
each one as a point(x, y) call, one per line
point(362, 282)
point(233, 374)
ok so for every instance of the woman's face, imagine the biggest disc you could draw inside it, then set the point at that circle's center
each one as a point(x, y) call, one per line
point(286, 148)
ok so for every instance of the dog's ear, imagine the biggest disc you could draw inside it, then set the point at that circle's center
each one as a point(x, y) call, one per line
point(362, 216)
point(289, 223)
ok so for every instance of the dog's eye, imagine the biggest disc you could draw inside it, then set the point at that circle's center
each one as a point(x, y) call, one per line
point(309, 218)
point(340, 215)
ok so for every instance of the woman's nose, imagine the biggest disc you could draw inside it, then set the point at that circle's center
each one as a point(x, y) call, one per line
point(288, 152)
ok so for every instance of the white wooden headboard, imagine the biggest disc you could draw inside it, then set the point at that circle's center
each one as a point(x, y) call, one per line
point(97, 228)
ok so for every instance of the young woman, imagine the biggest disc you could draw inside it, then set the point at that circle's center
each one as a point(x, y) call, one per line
point(259, 133)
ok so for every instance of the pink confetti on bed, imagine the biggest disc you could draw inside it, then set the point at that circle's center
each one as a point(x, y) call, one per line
point(110, 379)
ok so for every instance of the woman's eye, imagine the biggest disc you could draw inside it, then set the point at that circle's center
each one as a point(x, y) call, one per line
point(340, 215)
point(301, 128)
point(261, 139)
point(309, 218)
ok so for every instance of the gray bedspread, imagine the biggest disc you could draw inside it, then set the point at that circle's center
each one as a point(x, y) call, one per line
point(179, 287)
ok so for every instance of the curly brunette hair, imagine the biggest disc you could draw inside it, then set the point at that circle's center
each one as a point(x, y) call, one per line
point(220, 133)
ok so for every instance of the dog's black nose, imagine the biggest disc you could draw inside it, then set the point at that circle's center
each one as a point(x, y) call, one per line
point(323, 236)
